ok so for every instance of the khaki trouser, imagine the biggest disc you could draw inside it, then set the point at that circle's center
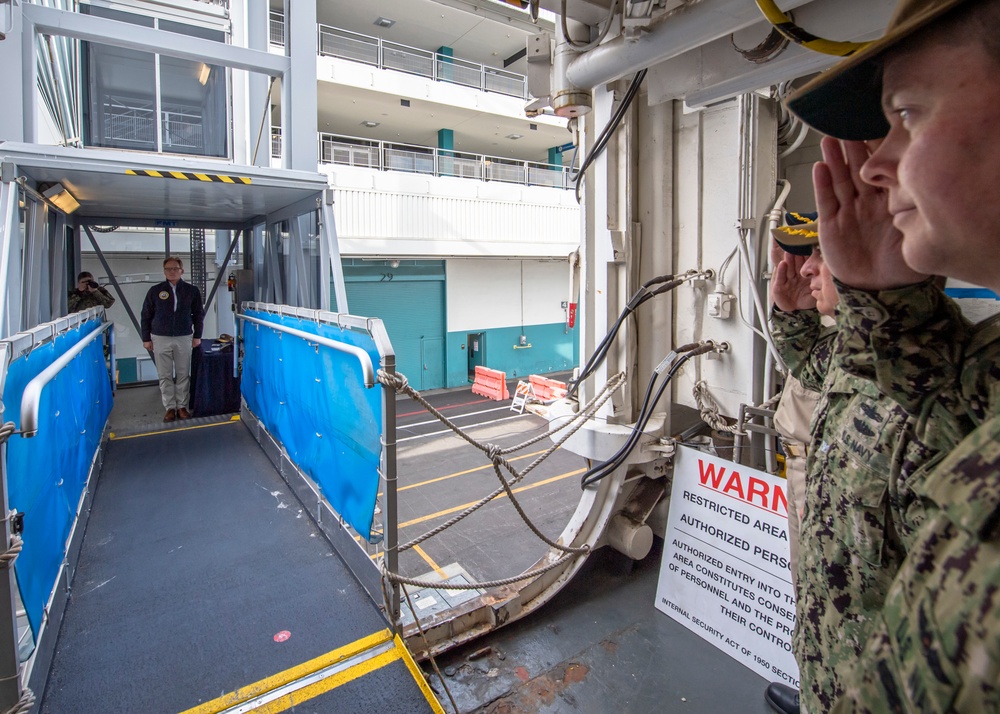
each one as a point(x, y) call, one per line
point(791, 419)
point(173, 367)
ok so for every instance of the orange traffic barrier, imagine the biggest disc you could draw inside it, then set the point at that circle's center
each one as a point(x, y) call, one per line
point(490, 383)
point(547, 389)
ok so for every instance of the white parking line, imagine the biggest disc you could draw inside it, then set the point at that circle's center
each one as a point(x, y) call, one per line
point(453, 417)
point(449, 431)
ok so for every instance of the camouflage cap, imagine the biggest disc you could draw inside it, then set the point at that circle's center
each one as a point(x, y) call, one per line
point(846, 101)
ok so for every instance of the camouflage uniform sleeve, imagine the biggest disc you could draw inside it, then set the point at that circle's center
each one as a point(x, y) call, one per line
point(937, 644)
point(909, 341)
point(73, 301)
point(104, 297)
point(804, 344)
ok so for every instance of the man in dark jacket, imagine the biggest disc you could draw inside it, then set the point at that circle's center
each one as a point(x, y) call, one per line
point(172, 321)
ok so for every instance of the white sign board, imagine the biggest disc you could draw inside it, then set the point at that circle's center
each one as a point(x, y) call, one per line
point(725, 573)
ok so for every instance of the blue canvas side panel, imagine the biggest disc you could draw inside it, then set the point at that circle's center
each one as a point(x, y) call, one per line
point(313, 399)
point(47, 473)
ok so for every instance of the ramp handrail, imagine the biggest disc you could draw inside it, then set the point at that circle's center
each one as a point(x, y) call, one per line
point(32, 397)
point(363, 357)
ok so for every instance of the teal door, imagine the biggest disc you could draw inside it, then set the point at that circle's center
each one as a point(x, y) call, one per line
point(432, 362)
point(410, 300)
point(476, 348)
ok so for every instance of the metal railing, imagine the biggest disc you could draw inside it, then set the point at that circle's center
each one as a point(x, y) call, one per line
point(32, 396)
point(335, 42)
point(276, 27)
point(393, 156)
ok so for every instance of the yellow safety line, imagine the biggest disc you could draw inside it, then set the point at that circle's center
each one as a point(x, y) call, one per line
point(112, 437)
point(463, 473)
point(227, 701)
point(503, 495)
point(430, 562)
point(325, 685)
point(418, 677)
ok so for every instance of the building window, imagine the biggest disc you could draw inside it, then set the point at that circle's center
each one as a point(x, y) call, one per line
point(148, 102)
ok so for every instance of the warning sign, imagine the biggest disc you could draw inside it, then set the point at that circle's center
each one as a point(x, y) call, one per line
point(725, 573)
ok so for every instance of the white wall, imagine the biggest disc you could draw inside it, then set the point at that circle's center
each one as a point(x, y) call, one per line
point(486, 294)
point(394, 214)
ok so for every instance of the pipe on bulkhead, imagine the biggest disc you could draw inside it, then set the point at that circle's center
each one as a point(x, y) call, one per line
point(686, 28)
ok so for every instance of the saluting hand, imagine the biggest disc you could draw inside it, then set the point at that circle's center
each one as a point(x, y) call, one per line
point(860, 245)
point(789, 290)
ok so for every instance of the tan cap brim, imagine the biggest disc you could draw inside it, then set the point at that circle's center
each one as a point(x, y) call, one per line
point(845, 102)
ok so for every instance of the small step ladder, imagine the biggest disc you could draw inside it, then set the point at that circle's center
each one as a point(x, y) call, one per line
point(521, 394)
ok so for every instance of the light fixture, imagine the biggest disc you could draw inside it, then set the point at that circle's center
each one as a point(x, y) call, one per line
point(204, 73)
point(384, 22)
point(369, 123)
point(62, 198)
point(394, 263)
point(515, 137)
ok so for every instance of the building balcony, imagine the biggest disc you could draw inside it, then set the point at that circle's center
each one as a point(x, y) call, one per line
point(376, 52)
point(409, 158)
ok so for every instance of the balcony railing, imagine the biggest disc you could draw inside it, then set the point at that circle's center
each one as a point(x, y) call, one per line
point(334, 42)
point(393, 156)
point(277, 29)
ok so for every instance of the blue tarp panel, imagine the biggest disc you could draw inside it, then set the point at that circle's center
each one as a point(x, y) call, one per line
point(46, 474)
point(314, 401)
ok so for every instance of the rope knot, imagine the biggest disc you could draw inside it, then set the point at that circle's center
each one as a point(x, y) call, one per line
point(494, 452)
point(396, 381)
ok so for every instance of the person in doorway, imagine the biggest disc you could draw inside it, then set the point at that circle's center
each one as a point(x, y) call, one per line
point(88, 294)
point(172, 321)
point(865, 455)
point(929, 90)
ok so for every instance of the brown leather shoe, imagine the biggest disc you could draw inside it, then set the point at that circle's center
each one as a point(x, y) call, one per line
point(170, 415)
point(183, 413)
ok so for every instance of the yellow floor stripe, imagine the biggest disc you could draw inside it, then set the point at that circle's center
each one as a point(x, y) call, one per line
point(112, 437)
point(430, 562)
point(463, 473)
point(419, 677)
point(256, 689)
point(325, 685)
point(504, 495)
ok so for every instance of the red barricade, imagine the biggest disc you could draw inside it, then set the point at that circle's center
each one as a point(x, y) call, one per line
point(547, 389)
point(490, 383)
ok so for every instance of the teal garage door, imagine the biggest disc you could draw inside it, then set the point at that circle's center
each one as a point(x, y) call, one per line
point(410, 300)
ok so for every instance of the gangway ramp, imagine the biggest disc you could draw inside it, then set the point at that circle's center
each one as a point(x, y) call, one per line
point(203, 586)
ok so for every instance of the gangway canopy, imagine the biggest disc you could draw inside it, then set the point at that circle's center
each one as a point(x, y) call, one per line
point(157, 189)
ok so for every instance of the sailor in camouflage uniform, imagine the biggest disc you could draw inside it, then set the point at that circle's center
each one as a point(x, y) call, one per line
point(864, 456)
point(936, 176)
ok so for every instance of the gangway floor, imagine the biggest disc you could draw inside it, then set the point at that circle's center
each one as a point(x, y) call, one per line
point(200, 576)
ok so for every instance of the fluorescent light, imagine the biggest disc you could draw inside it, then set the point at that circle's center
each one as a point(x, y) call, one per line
point(62, 198)
point(384, 22)
point(204, 73)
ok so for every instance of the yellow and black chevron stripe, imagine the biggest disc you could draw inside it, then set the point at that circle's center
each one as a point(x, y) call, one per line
point(188, 176)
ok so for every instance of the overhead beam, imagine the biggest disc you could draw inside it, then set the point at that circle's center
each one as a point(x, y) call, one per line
point(102, 31)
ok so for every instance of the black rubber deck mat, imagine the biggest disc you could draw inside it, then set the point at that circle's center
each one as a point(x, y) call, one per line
point(196, 558)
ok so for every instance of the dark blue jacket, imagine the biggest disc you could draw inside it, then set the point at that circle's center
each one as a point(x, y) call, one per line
point(160, 318)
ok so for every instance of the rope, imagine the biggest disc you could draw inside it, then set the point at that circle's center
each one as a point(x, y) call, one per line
point(495, 454)
point(24, 704)
point(6, 430)
point(8, 557)
point(427, 649)
point(709, 409)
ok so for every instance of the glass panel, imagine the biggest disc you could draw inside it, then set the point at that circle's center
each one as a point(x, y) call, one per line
point(193, 99)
